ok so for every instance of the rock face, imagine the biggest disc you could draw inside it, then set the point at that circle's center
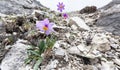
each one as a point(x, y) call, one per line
point(114, 2)
point(111, 23)
point(110, 17)
point(18, 6)
point(14, 60)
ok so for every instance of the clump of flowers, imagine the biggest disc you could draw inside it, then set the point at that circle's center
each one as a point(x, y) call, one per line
point(45, 26)
point(61, 8)
point(44, 47)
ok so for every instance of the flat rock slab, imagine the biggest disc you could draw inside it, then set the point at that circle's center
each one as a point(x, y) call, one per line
point(18, 6)
point(79, 23)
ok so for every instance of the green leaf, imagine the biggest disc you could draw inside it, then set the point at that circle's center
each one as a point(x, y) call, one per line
point(35, 53)
point(42, 47)
point(50, 42)
point(38, 62)
point(28, 60)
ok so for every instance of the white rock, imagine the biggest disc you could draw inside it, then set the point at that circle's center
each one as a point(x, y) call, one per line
point(60, 52)
point(38, 11)
point(58, 27)
point(81, 50)
point(3, 15)
point(14, 59)
point(107, 66)
point(74, 27)
point(117, 61)
point(74, 50)
point(67, 35)
point(57, 44)
point(101, 43)
point(114, 46)
point(52, 65)
point(89, 20)
point(86, 51)
point(61, 42)
point(82, 47)
point(80, 23)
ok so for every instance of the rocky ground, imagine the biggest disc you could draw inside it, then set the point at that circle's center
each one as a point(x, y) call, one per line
point(87, 41)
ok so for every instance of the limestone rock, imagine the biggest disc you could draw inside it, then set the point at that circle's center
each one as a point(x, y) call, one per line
point(74, 27)
point(51, 65)
point(74, 50)
point(85, 51)
point(107, 66)
point(101, 42)
point(59, 52)
point(14, 59)
point(117, 61)
point(79, 23)
point(18, 6)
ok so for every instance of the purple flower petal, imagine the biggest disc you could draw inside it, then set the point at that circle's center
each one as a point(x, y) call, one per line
point(45, 26)
point(60, 10)
point(46, 21)
point(59, 3)
point(48, 32)
point(60, 6)
point(39, 25)
point(63, 5)
point(51, 26)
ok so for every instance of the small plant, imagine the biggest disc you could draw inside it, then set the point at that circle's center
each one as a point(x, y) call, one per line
point(44, 46)
point(37, 53)
point(61, 7)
